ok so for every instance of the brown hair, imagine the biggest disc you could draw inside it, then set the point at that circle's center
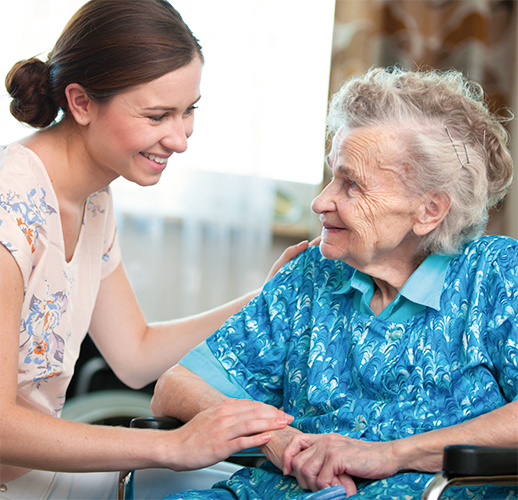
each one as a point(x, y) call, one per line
point(107, 47)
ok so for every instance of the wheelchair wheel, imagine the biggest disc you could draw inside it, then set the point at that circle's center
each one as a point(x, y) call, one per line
point(111, 407)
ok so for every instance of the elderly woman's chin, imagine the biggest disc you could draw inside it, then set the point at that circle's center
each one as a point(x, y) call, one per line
point(331, 250)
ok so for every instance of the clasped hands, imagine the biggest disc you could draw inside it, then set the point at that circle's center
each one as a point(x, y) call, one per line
point(318, 461)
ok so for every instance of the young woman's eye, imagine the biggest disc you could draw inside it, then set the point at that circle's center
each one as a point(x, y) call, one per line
point(157, 118)
point(190, 110)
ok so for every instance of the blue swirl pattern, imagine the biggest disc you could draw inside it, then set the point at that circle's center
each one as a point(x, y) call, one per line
point(303, 348)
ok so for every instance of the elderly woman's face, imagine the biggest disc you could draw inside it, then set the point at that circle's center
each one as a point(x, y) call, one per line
point(366, 214)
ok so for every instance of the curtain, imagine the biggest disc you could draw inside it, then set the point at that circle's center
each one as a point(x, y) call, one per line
point(477, 37)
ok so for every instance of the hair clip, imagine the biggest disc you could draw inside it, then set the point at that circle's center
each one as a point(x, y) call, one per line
point(454, 147)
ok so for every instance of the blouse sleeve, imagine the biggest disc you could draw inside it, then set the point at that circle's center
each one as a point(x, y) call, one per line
point(252, 346)
point(502, 335)
point(17, 241)
point(202, 362)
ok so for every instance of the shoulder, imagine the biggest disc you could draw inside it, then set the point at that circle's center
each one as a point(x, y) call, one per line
point(15, 156)
point(22, 174)
point(311, 266)
point(26, 192)
point(488, 250)
point(487, 266)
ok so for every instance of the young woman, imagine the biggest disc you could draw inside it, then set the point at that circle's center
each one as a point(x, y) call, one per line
point(116, 97)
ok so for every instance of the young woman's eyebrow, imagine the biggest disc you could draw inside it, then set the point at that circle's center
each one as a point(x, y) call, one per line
point(168, 108)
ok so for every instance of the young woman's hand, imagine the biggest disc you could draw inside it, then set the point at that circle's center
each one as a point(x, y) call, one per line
point(226, 428)
point(289, 254)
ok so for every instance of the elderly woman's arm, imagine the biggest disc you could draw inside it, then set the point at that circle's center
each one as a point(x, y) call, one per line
point(182, 394)
point(318, 461)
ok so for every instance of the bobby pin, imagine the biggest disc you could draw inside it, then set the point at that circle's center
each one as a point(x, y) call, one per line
point(456, 152)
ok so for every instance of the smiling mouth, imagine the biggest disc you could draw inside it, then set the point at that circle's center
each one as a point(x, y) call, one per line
point(330, 227)
point(156, 159)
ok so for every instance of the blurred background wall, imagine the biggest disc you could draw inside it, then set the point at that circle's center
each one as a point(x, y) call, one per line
point(226, 209)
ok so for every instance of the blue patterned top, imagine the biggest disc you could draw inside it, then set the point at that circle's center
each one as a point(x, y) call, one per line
point(303, 347)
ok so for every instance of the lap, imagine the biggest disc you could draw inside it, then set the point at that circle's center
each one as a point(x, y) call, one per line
point(268, 482)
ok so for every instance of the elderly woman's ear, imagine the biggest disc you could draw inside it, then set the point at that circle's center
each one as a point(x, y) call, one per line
point(431, 212)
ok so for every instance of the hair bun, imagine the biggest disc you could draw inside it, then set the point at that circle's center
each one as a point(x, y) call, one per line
point(28, 85)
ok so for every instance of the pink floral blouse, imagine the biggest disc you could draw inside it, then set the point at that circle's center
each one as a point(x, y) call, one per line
point(59, 295)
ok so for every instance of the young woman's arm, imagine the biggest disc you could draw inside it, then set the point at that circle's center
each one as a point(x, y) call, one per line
point(139, 353)
point(33, 440)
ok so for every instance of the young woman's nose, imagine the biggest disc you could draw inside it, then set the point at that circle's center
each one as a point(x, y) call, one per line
point(176, 136)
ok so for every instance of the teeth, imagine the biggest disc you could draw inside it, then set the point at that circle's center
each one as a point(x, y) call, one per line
point(157, 159)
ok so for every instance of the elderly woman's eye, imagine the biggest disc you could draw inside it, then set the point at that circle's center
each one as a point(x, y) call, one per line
point(350, 184)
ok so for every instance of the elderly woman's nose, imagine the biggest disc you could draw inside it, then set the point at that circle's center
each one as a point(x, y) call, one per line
point(323, 202)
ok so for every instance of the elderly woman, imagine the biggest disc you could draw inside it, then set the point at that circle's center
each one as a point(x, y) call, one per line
point(398, 336)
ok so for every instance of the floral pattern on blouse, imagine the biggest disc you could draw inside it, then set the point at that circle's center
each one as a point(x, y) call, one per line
point(30, 211)
point(59, 295)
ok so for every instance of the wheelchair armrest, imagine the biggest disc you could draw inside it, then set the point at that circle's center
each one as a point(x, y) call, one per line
point(473, 465)
point(462, 460)
point(156, 423)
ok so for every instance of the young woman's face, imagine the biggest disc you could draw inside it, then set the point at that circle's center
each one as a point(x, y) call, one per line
point(135, 133)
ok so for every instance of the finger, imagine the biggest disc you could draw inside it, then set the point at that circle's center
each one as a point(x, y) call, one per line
point(306, 466)
point(252, 426)
point(246, 442)
point(315, 242)
point(347, 482)
point(245, 408)
point(291, 253)
point(301, 479)
point(296, 445)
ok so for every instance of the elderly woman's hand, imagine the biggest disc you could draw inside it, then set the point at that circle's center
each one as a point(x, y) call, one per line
point(322, 460)
point(275, 449)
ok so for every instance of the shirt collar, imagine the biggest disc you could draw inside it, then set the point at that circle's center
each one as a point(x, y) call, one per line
point(424, 286)
point(426, 283)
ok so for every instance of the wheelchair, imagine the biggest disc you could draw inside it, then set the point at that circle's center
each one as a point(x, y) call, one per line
point(474, 465)
point(462, 466)
point(127, 479)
